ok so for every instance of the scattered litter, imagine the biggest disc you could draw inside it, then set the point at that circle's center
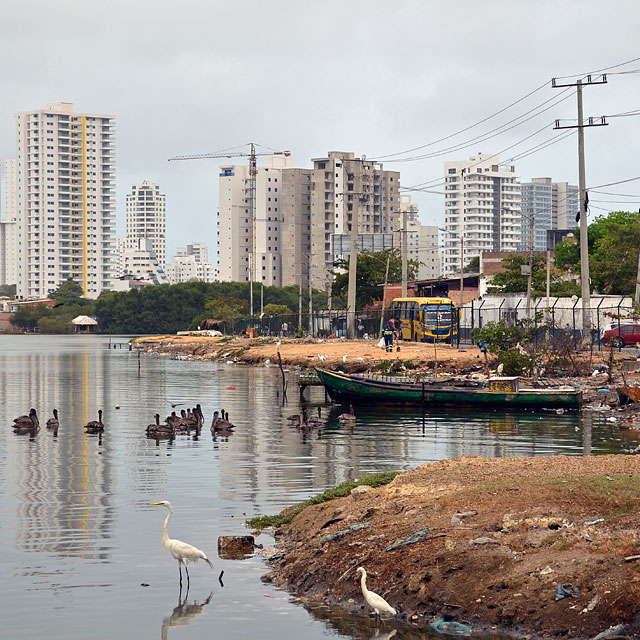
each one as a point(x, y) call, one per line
point(419, 535)
point(592, 605)
point(231, 388)
point(144, 584)
point(587, 537)
point(566, 590)
point(611, 632)
point(588, 523)
point(344, 532)
point(483, 540)
point(546, 571)
point(631, 558)
point(451, 628)
point(275, 556)
point(458, 517)
point(604, 390)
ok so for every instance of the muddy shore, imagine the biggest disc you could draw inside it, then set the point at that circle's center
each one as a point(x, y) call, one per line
point(483, 542)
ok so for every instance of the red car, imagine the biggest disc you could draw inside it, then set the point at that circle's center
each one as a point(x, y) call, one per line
point(623, 335)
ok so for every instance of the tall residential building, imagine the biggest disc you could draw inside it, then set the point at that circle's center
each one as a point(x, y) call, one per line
point(482, 209)
point(192, 263)
point(345, 189)
point(8, 252)
point(65, 179)
point(9, 228)
point(233, 246)
point(147, 218)
point(295, 206)
point(429, 253)
point(549, 205)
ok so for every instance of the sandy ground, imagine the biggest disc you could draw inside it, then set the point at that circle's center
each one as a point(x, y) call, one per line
point(532, 524)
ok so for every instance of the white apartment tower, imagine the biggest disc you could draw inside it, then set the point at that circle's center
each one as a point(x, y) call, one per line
point(65, 186)
point(198, 250)
point(345, 189)
point(482, 209)
point(233, 241)
point(9, 228)
point(147, 218)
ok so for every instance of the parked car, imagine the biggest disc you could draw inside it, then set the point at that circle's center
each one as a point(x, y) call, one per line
point(620, 336)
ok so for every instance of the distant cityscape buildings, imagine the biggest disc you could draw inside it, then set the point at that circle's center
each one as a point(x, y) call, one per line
point(59, 215)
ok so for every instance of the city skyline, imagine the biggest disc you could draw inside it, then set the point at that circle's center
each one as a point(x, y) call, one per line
point(204, 78)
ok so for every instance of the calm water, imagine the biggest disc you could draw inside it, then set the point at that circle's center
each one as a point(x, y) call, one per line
point(79, 538)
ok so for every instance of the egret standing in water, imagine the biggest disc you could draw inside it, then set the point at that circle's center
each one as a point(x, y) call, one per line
point(181, 551)
point(376, 602)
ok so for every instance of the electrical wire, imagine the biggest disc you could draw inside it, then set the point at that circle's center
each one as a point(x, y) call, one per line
point(588, 73)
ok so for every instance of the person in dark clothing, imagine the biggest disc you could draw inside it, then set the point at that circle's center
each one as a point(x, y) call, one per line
point(388, 332)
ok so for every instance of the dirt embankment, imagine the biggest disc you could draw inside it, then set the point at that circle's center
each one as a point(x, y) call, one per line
point(527, 526)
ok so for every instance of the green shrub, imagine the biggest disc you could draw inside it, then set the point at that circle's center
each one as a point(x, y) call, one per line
point(343, 489)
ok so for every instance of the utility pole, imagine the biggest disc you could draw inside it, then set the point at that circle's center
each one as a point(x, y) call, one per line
point(362, 198)
point(584, 239)
point(461, 270)
point(532, 220)
point(253, 172)
point(300, 298)
point(404, 254)
point(384, 294)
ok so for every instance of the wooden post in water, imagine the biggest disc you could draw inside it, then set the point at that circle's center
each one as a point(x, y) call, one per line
point(138, 362)
point(284, 379)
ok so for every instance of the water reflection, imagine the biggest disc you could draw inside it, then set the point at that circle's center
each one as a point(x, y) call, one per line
point(62, 482)
point(184, 614)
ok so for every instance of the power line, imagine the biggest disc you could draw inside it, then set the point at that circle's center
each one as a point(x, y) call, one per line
point(491, 133)
point(615, 66)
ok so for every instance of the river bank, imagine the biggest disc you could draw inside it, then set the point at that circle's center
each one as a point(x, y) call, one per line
point(484, 542)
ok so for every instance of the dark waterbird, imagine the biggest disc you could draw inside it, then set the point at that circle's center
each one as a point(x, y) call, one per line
point(95, 426)
point(26, 424)
point(53, 423)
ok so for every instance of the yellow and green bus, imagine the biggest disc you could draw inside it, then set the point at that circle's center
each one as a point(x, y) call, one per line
point(425, 319)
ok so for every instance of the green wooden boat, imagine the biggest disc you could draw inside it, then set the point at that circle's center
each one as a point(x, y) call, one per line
point(500, 393)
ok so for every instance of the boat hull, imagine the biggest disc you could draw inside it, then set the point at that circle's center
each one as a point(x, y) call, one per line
point(348, 389)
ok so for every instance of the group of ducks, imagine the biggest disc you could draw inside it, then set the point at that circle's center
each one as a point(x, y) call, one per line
point(303, 420)
point(30, 424)
point(188, 421)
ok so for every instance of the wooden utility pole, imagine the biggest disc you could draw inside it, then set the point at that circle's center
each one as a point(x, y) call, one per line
point(384, 294)
point(461, 270)
point(584, 238)
point(532, 220)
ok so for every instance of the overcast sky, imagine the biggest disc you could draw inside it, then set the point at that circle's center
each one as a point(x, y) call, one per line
point(372, 77)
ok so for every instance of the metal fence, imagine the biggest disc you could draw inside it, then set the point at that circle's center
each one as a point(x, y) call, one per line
point(560, 315)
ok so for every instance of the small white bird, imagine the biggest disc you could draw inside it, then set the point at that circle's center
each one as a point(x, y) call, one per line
point(322, 358)
point(181, 551)
point(376, 602)
point(278, 346)
point(344, 358)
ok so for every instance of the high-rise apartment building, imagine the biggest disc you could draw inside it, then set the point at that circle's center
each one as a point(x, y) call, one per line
point(346, 190)
point(295, 206)
point(549, 205)
point(482, 209)
point(147, 218)
point(65, 186)
point(138, 259)
point(9, 228)
point(233, 244)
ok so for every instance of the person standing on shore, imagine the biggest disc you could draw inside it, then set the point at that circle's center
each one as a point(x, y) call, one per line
point(284, 329)
point(388, 332)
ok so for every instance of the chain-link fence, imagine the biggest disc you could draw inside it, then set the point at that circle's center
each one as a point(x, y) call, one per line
point(558, 315)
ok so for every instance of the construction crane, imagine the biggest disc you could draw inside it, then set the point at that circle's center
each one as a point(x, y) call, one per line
point(253, 172)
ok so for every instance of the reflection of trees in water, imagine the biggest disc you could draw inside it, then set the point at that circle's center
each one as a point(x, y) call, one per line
point(183, 614)
point(64, 482)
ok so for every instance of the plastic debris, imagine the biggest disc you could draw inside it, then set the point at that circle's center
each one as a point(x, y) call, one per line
point(344, 532)
point(566, 590)
point(610, 632)
point(451, 628)
point(592, 605)
point(604, 390)
point(588, 523)
point(419, 535)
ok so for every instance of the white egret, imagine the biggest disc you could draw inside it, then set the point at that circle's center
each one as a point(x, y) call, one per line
point(376, 602)
point(181, 551)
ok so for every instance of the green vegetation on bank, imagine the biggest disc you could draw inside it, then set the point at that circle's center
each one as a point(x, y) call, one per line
point(171, 308)
point(341, 490)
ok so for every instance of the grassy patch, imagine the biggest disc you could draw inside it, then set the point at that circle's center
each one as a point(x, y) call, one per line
point(343, 489)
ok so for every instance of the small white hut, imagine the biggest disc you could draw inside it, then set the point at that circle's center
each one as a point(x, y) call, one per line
point(85, 324)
